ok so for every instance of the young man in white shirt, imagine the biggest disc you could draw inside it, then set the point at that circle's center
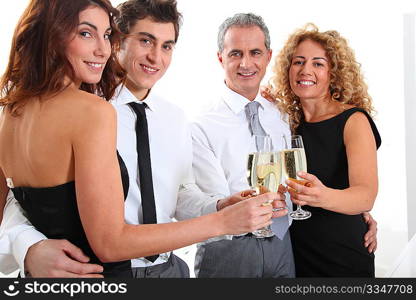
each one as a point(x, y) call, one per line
point(151, 30)
point(222, 140)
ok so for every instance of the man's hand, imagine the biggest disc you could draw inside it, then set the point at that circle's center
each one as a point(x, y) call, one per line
point(243, 195)
point(59, 258)
point(237, 197)
point(370, 238)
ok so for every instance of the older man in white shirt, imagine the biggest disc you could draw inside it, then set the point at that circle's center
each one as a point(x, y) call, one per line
point(222, 140)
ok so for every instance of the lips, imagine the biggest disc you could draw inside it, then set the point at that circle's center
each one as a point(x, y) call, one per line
point(148, 69)
point(247, 74)
point(306, 82)
point(95, 66)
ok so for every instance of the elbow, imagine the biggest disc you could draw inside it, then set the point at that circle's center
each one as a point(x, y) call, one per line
point(368, 207)
point(372, 199)
point(106, 249)
point(369, 202)
point(106, 256)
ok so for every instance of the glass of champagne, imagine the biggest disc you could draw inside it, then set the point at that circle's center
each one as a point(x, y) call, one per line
point(293, 161)
point(264, 174)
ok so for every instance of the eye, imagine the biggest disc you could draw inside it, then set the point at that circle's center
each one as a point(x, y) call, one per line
point(235, 54)
point(167, 47)
point(85, 34)
point(318, 64)
point(298, 62)
point(145, 42)
point(107, 36)
point(256, 52)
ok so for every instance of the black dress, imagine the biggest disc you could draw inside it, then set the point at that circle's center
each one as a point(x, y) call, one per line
point(54, 212)
point(330, 244)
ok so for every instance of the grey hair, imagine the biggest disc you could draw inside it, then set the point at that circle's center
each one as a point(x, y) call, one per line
point(242, 20)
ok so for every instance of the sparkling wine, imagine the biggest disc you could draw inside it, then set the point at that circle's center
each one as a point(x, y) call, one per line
point(293, 161)
point(264, 171)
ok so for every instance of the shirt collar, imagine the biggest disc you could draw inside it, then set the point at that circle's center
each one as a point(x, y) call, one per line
point(123, 96)
point(237, 102)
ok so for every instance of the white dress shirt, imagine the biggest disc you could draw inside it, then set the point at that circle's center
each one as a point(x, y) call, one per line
point(222, 142)
point(176, 195)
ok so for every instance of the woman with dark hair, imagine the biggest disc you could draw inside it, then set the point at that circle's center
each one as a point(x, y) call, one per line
point(319, 85)
point(58, 141)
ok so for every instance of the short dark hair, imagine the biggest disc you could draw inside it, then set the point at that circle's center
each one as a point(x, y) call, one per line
point(163, 11)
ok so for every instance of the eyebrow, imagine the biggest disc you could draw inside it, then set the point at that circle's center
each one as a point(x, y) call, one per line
point(92, 25)
point(152, 37)
point(240, 51)
point(234, 51)
point(315, 58)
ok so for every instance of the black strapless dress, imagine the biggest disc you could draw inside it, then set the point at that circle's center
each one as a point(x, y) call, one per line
point(54, 212)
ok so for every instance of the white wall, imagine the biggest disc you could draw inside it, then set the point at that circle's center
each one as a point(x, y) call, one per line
point(410, 117)
point(374, 30)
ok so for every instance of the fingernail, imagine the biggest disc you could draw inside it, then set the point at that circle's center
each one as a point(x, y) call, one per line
point(300, 173)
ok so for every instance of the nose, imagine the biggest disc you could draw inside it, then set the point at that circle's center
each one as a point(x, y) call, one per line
point(102, 48)
point(306, 69)
point(154, 55)
point(246, 62)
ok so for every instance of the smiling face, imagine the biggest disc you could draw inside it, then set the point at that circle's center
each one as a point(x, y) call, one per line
point(146, 54)
point(90, 48)
point(309, 73)
point(244, 59)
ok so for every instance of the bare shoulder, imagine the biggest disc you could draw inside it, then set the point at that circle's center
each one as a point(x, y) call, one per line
point(358, 127)
point(358, 118)
point(89, 107)
point(87, 112)
point(87, 100)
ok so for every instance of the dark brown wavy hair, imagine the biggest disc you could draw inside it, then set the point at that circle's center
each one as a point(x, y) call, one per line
point(38, 65)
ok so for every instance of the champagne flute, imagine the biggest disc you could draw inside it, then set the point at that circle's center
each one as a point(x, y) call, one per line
point(264, 174)
point(293, 161)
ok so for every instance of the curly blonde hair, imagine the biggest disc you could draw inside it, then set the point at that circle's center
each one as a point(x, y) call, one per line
point(347, 84)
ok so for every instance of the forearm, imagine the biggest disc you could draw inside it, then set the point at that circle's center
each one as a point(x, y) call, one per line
point(192, 202)
point(350, 201)
point(16, 236)
point(138, 241)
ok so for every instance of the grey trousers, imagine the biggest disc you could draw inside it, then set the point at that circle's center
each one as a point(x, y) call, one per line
point(246, 257)
point(173, 268)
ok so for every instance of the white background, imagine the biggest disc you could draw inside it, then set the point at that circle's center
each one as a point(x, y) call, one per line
point(374, 30)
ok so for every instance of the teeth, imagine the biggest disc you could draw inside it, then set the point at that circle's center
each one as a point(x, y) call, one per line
point(95, 65)
point(247, 74)
point(149, 69)
point(307, 82)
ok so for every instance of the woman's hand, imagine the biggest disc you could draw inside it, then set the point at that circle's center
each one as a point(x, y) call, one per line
point(266, 93)
point(308, 191)
point(277, 205)
point(252, 213)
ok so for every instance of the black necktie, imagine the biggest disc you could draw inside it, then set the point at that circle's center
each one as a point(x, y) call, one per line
point(145, 168)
